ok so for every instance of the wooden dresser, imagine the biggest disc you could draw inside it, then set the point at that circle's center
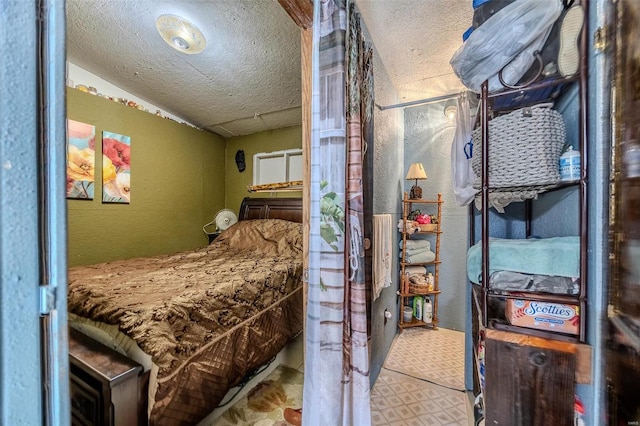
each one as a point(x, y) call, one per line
point(107, 388)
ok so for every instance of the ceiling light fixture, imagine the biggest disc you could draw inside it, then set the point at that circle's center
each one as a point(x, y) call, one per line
point(181, 34)
point(450, 109)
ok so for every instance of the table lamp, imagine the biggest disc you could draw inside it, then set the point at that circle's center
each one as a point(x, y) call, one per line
point(416, 171)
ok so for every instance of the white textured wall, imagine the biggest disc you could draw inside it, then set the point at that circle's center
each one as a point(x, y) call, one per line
point(427, 140)
point(387, 171)
point(21, 386)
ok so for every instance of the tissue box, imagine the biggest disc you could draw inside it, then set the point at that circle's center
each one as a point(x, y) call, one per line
point(543, 316)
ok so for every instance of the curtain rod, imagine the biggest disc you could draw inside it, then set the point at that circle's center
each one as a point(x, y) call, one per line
point(418, 102)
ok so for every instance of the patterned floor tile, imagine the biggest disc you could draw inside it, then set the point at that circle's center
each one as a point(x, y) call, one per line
point(377, 418)
point(422, 381)
point(433, 355)
point(408, 399)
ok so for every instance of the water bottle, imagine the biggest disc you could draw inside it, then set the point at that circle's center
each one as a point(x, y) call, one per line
point(570, 165)
point(427, 311)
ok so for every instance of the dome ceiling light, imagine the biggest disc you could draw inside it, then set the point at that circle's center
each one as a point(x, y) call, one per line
point(450, 109)
point(181, 34)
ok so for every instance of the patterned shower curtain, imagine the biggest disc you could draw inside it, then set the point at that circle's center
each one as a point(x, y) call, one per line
point(336, 380)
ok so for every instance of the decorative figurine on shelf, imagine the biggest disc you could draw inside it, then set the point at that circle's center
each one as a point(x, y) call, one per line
point(416, 171)
point(415, 193)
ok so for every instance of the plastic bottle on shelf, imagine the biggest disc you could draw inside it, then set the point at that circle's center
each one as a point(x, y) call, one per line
point(427, 311)
point(417, 303)
point(570, 165)
point(430, 281)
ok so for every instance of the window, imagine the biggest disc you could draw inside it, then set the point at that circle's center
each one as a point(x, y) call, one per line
point(277, 166)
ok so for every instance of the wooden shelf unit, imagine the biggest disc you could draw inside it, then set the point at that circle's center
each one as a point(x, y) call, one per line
point(435, 208)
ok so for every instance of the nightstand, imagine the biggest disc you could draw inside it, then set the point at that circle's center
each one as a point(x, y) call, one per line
point(213, 236)
point(106, 387)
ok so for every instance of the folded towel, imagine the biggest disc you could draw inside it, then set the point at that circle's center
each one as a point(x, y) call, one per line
point(415, 244)
point(423, 257)
point(546, 256)
point(413, 252)
point(382, 252)
point(414, 270)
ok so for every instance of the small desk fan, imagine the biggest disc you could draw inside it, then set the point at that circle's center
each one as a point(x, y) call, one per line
point(223, 220)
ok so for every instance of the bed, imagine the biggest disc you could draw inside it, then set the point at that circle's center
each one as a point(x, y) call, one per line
point(200, 320)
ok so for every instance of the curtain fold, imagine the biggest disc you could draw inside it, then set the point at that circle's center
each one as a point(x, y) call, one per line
point(462, 173)
point(336, 384)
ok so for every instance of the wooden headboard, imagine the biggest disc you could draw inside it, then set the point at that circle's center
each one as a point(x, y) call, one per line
point(271, 208)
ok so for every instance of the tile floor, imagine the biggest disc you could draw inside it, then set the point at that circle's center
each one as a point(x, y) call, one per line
point(435, 356)
point(416, 386)
point(425, 388)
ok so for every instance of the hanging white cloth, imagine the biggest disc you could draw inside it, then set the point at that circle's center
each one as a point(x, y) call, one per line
point(382, 247)
point(336, 380)
point(461, 154)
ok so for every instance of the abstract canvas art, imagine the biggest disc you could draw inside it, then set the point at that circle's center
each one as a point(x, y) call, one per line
point(116, 168)
point(80, 160)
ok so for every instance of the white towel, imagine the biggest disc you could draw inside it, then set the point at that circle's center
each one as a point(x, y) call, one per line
point(382, 252)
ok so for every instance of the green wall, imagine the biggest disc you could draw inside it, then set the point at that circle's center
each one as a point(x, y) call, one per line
point(177, 182)
point(271, 140)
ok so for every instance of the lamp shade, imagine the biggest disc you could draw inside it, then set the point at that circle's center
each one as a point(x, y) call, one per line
point(416, 171)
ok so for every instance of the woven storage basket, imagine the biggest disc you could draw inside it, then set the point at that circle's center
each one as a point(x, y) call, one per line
point(428, 227)
point(524, 148)
point(418, 288)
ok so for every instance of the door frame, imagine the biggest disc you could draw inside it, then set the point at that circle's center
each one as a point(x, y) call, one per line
point(33, 342)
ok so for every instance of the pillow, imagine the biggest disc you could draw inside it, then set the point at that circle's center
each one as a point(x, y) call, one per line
point(264, 236)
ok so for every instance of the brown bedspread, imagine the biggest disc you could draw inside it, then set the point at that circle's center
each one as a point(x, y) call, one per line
point(207, 317)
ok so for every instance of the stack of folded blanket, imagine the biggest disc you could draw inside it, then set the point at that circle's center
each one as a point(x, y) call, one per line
point(418, 251)
point(415, 271)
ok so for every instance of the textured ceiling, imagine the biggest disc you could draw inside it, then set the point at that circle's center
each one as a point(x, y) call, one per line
point(415, 40)
point(248, 78)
